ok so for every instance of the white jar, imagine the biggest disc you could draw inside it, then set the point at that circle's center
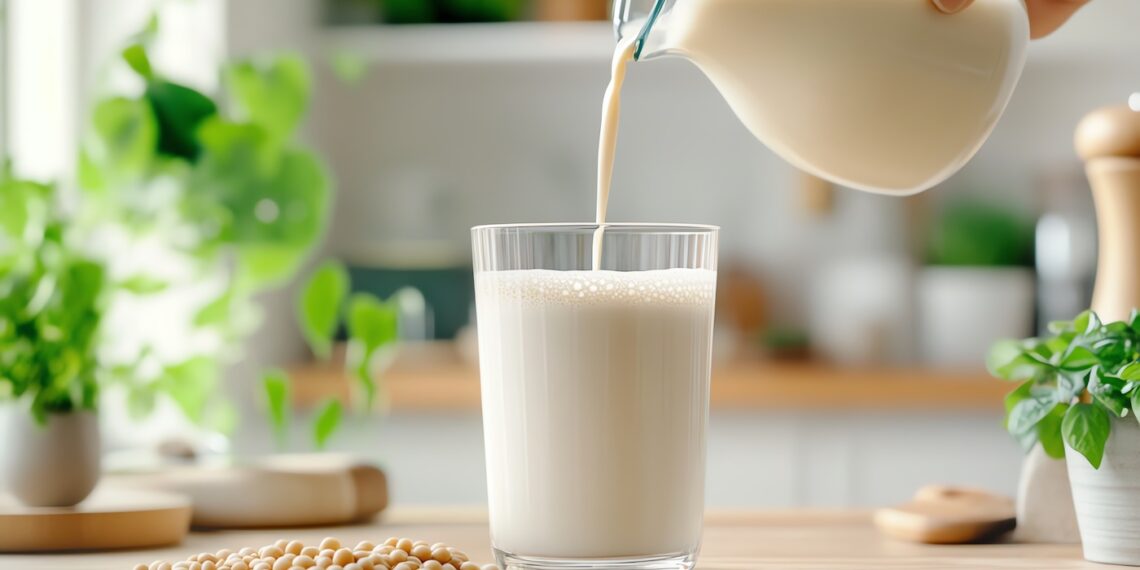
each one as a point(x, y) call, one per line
point(1107, 500)
point(963, 310)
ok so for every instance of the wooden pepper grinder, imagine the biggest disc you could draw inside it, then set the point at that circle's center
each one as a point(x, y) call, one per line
point(1108, 139)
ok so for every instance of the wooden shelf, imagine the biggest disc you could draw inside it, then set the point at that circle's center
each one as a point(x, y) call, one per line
point(447, 384)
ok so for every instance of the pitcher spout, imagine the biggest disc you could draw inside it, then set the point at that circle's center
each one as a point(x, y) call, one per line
point(648, 20)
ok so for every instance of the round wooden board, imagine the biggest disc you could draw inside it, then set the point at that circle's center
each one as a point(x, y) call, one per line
point(109, 519)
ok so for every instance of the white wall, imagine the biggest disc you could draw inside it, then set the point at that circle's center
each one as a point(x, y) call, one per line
point(469, 144)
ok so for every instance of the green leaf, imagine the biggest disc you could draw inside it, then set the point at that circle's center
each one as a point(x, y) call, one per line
point(1085, 428)
point(1070, 385)
point(319, 306)
point(326, 423)
point(1049, 432)
point(256, 193)
point(190, 384)
point(143, 285)
point(1134, 398)
point(179, 111)
point(1059, 327)
point(1022, 392)
point(975, 233)
point(1134, 321)
point(1078, 358)
point(238, 153)
point(1130, 372)
point(1057, 345)
point(1086, 322)
point(263, 266)
point(25, 212)
point(124, 135)
point(140, 402)
point(273, 95)
point(136, 57)
point(216, 312)
point(1108, 391)
point(147, 35)
point(372, 322)
point(1114, 402)
point(1007, 360)
point(1026, 413)
point(276, 385)
point(88, 174)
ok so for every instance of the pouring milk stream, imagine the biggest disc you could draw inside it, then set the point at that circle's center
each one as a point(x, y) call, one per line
point(887, 96)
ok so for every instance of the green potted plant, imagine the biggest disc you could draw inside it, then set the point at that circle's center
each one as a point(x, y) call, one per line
point(1078, 397)
point(977, 285)
point(223, 187)
point(219, 189)
point(51, 305)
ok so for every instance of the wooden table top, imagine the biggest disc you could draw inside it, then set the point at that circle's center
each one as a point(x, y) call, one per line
point(784, 540)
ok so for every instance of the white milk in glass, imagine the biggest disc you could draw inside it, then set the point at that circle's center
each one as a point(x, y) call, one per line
point(595, 399)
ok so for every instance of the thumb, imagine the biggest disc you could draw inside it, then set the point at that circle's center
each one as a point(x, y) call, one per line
point(952, 6)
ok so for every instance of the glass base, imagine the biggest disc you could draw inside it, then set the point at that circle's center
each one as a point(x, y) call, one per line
point(508, 561)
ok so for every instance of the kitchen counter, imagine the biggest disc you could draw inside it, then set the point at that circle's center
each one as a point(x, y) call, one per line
point(785, 540)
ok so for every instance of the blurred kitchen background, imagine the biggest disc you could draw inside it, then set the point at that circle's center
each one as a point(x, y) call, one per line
point(852, 328)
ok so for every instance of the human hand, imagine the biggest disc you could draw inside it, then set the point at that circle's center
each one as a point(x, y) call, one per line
point(1045, 16)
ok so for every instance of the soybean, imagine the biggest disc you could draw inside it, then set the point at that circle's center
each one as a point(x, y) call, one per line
point(394, 553)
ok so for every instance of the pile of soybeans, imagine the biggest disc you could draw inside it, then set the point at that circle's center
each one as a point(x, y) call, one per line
point(392, 554)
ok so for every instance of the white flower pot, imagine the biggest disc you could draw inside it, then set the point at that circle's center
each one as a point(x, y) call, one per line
point(50, 465)
point(963, 310)
point(1108, 500)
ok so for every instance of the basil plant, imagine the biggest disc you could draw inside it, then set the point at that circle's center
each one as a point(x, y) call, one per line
point(52, 302)
point(1073, 383)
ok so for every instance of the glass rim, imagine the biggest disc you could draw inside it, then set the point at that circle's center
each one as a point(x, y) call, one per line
point(649, 228)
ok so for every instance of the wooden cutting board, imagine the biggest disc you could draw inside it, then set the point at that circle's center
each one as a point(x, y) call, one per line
point(948, 515)
point(274, 492)
point(109, 519)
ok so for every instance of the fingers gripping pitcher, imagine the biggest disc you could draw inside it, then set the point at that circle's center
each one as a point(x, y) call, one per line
point(888, 96)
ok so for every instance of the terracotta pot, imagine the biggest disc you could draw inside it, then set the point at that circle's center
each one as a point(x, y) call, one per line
point(56, 464)
point(1107, 500)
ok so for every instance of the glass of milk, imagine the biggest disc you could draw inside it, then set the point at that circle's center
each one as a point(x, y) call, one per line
point(595, 387)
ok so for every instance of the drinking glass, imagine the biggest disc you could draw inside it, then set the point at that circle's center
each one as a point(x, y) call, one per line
point(595, 387)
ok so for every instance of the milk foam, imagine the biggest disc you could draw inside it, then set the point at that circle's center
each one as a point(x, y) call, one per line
point(666, 286)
